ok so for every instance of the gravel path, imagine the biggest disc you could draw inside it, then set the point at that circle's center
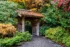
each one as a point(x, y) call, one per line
point(40, 42)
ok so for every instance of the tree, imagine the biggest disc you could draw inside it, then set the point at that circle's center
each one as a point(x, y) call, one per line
point(30, 4)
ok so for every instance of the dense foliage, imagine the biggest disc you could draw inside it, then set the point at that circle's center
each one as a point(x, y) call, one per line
point(19, 37)
point(8, 12)
point(58, 34)
point(34, 5)
point(57, 13)
point(55, 16)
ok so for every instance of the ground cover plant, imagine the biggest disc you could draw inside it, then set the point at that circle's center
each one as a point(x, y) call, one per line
point(15, 40)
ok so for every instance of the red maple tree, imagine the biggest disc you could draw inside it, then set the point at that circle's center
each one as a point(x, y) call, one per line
point(65, 4)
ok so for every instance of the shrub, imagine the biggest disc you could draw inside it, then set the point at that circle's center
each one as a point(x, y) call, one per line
point(55, 33)
point(8, 12)
point(58, 34)
point(19, 37)
point(27, 36)
point(7, 30)
point(51, 16)
point(66, 40)
point(43, 29)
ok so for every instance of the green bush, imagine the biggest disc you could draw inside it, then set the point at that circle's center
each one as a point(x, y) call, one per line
point(8, 12)
point(55, 33)
point(26, 35)
point(56, 17)
point(58, 34)
point(8, 42)
point(51, 16)
point(42, 30)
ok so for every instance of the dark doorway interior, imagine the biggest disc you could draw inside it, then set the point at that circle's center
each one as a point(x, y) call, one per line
point(28, 27)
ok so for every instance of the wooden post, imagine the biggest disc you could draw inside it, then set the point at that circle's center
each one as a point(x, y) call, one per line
point(33, 30)
point(19, 25)
point(37, 28)
point(23, 24)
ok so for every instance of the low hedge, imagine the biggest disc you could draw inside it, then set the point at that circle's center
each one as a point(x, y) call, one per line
point(19, 37)
point(58, 34)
